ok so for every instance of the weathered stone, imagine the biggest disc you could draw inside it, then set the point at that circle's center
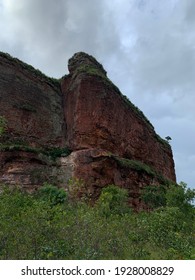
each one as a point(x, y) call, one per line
point(26, 169)
point(97, 168)
point(97, 115)
point(112, 142)
point(31, 104)
point(82, 61)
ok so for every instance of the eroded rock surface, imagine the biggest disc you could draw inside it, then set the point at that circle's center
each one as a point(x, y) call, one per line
point(99, 116)
point(112, 142)
point(31, 104)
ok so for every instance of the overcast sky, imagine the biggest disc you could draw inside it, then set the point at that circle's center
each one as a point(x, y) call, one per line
point(146, 46)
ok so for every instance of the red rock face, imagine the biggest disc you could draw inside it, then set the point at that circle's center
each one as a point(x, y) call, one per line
point(97, 115)
point(25, 169)
point(31, 104)
point(111, 140)
point(96, 168)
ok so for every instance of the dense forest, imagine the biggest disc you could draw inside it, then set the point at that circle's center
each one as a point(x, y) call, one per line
point(52, 224)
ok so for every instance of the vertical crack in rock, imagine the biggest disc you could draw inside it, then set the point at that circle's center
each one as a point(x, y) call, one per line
point(111, 140)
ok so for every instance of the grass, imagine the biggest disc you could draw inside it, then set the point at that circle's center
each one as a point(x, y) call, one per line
point(142, 167)
point(136, 165)
point(52, 153)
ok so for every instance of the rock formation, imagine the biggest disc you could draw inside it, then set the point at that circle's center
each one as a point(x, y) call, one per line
point(78, 127)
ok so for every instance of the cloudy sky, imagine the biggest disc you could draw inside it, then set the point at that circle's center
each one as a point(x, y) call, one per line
point(146, 46)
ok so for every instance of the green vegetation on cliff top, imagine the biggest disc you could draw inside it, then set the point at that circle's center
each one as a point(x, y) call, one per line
point(30, 68)
point(93, 70)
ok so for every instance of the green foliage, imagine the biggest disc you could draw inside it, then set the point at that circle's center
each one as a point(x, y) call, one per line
point(113, 200)
point(52, 194)
point(3, 125)
point(164, 142)
point(136, 165)
point(35, 72)
point(180, 196)
point(140, 166)
point(172, 232)
point(154, 196)
point(91, 70)
point(47, 225)
point(77, 190)
point(171, 196)
point(52, 153)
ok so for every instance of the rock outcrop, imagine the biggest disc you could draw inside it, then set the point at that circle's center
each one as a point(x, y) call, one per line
point(110, 140)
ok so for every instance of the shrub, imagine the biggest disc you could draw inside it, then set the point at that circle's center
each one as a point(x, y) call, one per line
point(154, 196)
point(52, 194)
point(180, 196)
point(46, 225)
point(113, 200)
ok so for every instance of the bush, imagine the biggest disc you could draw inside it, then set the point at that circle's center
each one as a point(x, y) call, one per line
point(154, 196)
point(182, 197)
point(172, 233)
point(52, 194)
point(171, 196)
point(113, 200)
point(47, 225)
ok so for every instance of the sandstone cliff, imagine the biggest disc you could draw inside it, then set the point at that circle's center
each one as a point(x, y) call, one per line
point(110, 140)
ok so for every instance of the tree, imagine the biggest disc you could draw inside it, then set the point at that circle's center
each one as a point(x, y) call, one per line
point(168, 138)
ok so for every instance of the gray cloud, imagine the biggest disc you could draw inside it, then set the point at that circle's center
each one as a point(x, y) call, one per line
point(190, 11)
point(147, 48)
point(50, 30)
